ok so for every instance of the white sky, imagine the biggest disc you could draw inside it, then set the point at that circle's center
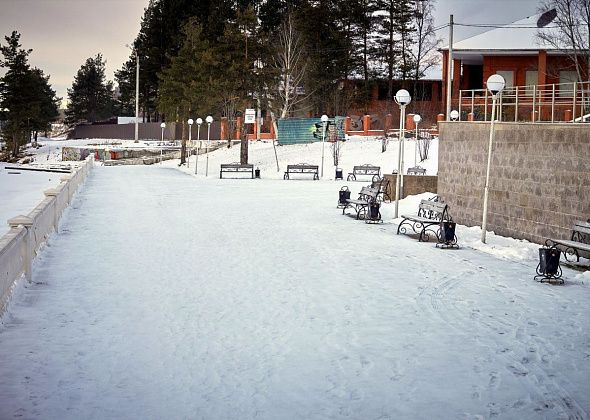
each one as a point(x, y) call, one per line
point(64, 33)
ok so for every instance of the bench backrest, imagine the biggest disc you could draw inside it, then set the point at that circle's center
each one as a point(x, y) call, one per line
point(367, 169)
point(416, 170)
point(368, 193)
point(434, 210)
point(237, 165)
point(581, 232)
point(303, 167)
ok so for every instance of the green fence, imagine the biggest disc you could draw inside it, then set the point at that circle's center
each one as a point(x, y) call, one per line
point(309, 130)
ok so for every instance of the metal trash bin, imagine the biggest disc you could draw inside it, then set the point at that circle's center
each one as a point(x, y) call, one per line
point(549, 268)
point(338, 174)
point(343, 195)
point(257, 173)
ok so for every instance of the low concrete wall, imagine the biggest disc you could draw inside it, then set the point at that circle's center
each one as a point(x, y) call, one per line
point(28, 233)
point(413, 185)
point(539, 178)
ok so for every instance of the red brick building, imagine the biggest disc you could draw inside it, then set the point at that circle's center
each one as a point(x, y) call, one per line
point(513, 51)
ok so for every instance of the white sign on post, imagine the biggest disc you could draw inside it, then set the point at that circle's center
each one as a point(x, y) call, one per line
point(250, 116)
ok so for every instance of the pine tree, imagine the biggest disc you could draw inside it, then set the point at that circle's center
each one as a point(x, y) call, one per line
point(25, 93)
point(91, 96)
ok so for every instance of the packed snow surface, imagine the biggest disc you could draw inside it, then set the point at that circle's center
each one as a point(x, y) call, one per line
point(167, 295)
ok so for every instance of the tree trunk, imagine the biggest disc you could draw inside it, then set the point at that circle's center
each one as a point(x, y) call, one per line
point(244, 146)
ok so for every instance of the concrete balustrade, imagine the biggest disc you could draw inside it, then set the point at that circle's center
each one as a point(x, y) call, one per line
point(28, 234)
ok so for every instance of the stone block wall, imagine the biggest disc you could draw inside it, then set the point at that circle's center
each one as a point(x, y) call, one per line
point(539, 178)
point(413, 185)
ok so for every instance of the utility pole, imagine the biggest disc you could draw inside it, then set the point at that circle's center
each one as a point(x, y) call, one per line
point(136, 97)
point(450, 68)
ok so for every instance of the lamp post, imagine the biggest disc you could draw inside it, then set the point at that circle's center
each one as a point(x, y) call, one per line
point(209, 120)
point(324, 122)
point(402, 98)
point(454, 115)
point(199, 122)
point(162, 126)
point(417, 119)
point(495, 85)
point(190, 130)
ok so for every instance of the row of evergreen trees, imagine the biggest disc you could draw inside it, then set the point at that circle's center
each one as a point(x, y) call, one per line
point(221, 56)
point(28, 104)
point(217, 56)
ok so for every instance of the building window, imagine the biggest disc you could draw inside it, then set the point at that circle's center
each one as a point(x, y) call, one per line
point(423, 91)
point(508, 76)
point(531, 79)
point(566, 82)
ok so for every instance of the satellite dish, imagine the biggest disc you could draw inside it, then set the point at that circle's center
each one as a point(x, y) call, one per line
point(546, 18)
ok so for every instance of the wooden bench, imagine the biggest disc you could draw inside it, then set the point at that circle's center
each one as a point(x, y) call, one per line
point(302, 168)
point(367, 196)
point(579, 241)
point(430, 213)
point(416, 170)
point(236, 168)
point(365, 170)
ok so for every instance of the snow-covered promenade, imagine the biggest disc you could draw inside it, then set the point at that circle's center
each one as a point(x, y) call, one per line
point(166, 296)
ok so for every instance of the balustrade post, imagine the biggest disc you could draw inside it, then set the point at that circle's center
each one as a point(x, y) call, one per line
point(27, 252)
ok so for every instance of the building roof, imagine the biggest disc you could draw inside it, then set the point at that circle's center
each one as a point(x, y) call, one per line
point(517, 36)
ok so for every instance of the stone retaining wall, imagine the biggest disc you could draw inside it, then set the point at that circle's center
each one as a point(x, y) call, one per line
point(539, 178)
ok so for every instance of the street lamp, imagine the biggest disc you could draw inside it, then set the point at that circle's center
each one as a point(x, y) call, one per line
point(209, 120)
point(190, 130)
point(403, 98)
point(324, 122)
point(162, 126)
point(417, 119)
point(454, 115)
point(136, 93)
point(199, 122)
point(495, 85)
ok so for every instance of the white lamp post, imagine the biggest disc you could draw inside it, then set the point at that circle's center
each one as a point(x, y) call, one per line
point(454, 115)
point(417, 119)
point(190, 130)
point(199, 122)
point(209, 120)
point(403, 98)
point(324, 122)
point(495, 85)
point(162, 126)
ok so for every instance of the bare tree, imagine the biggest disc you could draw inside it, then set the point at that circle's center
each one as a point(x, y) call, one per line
point(569, 32)
point(291, 61)
point(424, 52)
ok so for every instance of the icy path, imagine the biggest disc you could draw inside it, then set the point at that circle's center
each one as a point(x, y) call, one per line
point(169, 297)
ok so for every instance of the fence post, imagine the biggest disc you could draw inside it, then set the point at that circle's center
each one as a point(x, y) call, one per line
point(27, 252)
point(574, 104)
point(534, 103)
point(516, 105)
point(553, 103)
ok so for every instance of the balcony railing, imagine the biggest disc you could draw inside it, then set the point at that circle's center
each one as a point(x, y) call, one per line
point(564, 102)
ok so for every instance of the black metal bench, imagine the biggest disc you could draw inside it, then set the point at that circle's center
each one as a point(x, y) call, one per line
point(236, 168)
point(365, 170)
point(579, 241)
point(302, 168)
point(382, 184)
point(366, 205)
point(430, 213)
point(416, 170)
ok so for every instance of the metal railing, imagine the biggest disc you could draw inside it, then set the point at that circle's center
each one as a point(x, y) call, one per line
point(535, 103)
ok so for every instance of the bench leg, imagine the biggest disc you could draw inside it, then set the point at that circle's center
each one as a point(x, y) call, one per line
point(286, 176)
